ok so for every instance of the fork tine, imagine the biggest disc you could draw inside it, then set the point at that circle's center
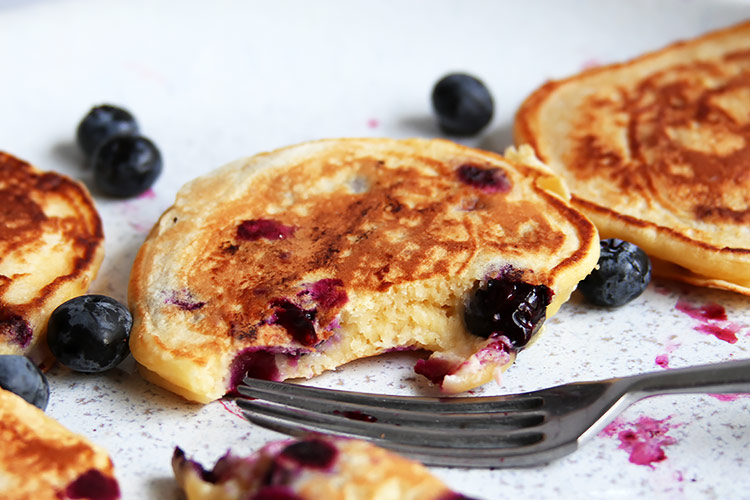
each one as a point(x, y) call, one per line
point(289, 393)
point(526, 455)
point(436, 433)
point(345, 411)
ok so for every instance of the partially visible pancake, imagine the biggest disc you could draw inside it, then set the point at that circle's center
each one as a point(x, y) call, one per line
point(656, 151)
point(42, 460)
point(314, 468)
point(51, 247)
point(297, 261)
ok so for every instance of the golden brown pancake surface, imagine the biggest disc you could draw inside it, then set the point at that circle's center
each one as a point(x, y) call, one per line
point(40, 459)
point(51, 247)
point(312, 468)
point(656, 150)
point(293, 262)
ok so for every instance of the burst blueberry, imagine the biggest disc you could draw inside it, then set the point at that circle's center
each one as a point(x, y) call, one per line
point(509, 307)
point(126, 166)
point(102, 123)
point(19, 375)
point(90, 333)
point(462, 103)
point(623, 273)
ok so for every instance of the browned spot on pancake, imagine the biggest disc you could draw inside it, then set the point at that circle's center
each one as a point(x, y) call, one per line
point(687, 143)
point(408, 225)
point(24, 219)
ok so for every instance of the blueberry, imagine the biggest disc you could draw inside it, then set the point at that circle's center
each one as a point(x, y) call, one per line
point(126, 166)
point(623, 273)
point(102, 123)
point(18, 374)
point(90, 333)
point(506, 306)
point(462, 103)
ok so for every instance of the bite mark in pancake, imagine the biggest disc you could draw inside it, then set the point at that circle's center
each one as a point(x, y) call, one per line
point(382, 256)
point(51, 247)
point(655, 150)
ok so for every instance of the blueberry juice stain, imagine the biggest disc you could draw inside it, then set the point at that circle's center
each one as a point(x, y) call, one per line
point(298, 322)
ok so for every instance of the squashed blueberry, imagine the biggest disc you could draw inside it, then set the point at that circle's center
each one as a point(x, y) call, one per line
point(509, 307)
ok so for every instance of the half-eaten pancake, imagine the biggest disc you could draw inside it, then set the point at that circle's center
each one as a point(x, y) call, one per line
point(656, 151)
point(42, 460)
point(290, 263)
point(314, 468)
point(51, 247)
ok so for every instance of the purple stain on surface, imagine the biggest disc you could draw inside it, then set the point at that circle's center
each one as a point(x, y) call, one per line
point(373, 123)
point(727, 333)
point(662, 360)
point(710, 311)
point(356, 415)
point(16, 329)
point(253, 363)
point(255, 229)
point(590, 63)
point(451, 495)
point(643, 439)
point(713, 320)
point(329, 293)
point(148, 194)
point(490, 180)
point(184, 300)
point(93, 485)
point(729, 397)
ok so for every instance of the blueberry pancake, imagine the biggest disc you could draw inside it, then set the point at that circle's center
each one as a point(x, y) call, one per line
point(51, 247)
point(42, 460)
point(314, 468)
point(656, 151)
point(297, 261)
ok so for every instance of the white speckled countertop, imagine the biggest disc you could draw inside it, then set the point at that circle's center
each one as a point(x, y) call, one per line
point(214, 81)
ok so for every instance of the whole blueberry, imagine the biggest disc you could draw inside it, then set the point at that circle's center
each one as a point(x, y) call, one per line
point(623, 273)
point(90, 333)
point(18, 374)
point(102, 123)
point(126, 166)
point(462, 103)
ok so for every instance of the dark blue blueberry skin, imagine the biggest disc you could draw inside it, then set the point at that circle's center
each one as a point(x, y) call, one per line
point(126, 166)
point(623, 274)
point(462, 103)
point(18, 374)
point(102, 123)
point(90, 333)
point(505, 306)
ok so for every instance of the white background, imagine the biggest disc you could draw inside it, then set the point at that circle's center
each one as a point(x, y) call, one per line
point(214, 81)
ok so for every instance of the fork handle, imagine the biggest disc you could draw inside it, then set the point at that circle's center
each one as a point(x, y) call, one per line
point(722, 378)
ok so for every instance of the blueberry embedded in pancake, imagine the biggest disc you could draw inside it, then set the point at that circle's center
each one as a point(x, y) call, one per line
point(312, 468)
point(43, 460)
point(297, 261)
point(655, 151)
point(51, 247)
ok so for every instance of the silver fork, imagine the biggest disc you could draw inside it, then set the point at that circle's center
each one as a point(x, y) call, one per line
point(491, 431)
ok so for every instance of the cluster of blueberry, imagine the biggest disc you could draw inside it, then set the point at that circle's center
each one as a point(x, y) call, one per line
point(87, 334)
point(125, 163)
